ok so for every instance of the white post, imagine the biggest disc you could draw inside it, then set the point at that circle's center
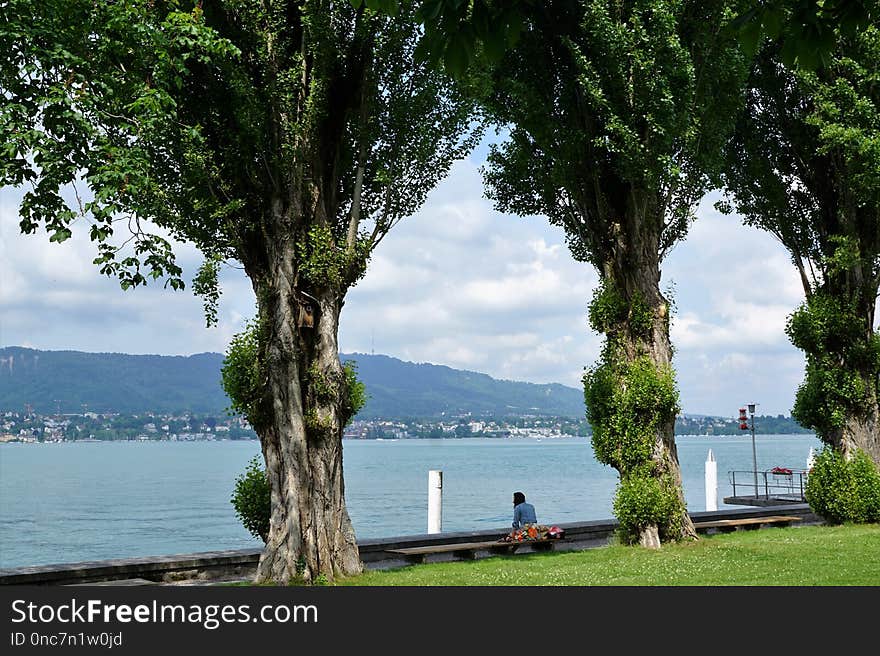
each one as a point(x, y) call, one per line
point(435, 500)
point(811, 459)
point(711, 482)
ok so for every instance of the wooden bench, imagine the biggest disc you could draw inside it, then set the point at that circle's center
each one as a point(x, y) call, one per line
point(120, 582)
point(727, 525)
point(468, 550)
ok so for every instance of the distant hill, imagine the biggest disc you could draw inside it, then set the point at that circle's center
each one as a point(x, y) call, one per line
point(71, 381)
point(397, 388)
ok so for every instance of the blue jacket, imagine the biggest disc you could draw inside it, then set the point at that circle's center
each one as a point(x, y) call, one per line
point(524, 513)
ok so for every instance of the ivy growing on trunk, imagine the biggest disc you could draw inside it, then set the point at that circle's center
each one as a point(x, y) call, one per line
point(629, 401)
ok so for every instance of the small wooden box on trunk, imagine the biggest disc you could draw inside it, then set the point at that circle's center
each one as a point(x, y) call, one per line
point(307, 310)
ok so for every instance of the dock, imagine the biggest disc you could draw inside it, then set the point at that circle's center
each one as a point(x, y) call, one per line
point(774, 487)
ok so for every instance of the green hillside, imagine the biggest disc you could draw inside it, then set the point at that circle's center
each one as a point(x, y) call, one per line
point(397, 388)
point(74, 382)
point(71, 381)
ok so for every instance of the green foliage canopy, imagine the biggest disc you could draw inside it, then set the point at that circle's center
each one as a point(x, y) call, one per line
point(177, 121)
point(608, 104)
point(460, 34)
point(805, 29)
point(804, 165)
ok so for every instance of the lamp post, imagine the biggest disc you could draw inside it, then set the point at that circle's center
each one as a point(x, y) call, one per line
point(743, 425)
point(754, 452)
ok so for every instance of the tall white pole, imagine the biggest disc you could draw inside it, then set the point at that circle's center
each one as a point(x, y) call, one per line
point(811, 458)
point(435, 501)
point(711, 482)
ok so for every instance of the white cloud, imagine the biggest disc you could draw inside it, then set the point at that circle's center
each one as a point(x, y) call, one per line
point(508, 300)
point(53, 297)
point(758, 326)
point(457, 284)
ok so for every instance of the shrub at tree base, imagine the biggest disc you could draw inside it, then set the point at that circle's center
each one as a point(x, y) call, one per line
point(842, 491)
point(252, 499)
point(643, 500)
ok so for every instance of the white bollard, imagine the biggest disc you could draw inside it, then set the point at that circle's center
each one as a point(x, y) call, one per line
point(435, 501)
point(711, 482)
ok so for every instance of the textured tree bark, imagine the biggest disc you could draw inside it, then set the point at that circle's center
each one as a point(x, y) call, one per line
point(310, 532)
point(633, 266)
point(863, 432)
point(861, 429)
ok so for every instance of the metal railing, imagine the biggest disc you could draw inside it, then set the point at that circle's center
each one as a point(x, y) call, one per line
point(772, 484)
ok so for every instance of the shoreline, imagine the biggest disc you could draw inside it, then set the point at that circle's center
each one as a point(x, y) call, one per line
point(386, 439)
point(212, 566)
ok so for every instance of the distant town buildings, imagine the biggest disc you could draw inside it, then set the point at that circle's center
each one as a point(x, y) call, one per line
point(91, 427)
point(95, 427)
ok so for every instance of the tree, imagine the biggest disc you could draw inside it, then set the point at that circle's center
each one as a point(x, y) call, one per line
point(804, 165)
point(287, 136)
point(616, 114)
point(460, 34)
point(806, 30)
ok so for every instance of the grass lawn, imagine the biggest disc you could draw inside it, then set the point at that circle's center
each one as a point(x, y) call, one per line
point(797, 556)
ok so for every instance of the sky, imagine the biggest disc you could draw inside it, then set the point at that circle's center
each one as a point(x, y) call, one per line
point(457, 284)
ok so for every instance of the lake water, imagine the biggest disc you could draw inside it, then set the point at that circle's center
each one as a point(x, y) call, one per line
point(72, 502)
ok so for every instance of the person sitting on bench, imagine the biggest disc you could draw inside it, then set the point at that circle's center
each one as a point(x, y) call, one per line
point(523, 513)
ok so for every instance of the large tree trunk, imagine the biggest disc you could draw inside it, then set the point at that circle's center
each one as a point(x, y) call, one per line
point(310, 532)
point(863, 432)
point(632, 265)
point(861, 429)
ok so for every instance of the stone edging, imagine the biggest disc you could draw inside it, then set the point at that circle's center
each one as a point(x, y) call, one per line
point(241, 563)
